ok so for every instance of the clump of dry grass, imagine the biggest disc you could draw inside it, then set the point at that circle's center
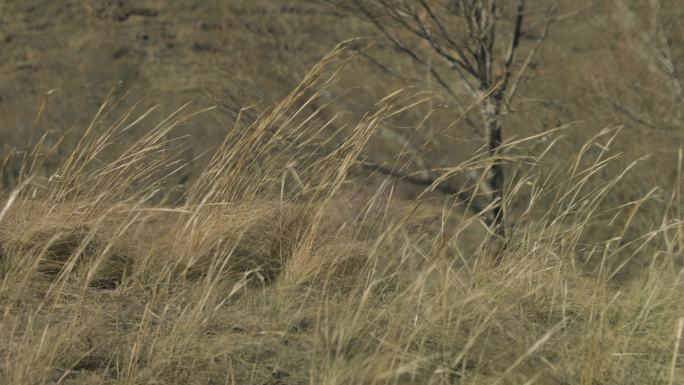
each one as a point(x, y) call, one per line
point(278, 268)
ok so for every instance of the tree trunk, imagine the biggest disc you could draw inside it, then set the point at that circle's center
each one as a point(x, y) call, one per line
point(492, 117)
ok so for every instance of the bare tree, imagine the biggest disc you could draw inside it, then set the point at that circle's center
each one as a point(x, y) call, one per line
point(480, 41)
point(650, 42)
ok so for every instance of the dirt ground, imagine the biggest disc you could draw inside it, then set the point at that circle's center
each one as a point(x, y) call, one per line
point(71, 54)
point(74, 53)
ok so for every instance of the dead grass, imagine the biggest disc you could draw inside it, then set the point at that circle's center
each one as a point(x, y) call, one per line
point(281, 265)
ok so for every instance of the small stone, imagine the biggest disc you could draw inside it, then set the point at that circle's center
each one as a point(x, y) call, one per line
point(237, 328)
point(301, 325)
point(279, 373)
point(5, 37)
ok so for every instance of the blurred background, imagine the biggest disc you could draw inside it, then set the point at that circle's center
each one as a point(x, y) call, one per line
point(600, 67)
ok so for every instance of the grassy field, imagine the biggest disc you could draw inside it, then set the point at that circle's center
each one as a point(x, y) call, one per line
point(214, 219)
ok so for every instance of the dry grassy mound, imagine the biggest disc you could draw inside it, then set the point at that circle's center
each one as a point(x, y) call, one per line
point(283, 263)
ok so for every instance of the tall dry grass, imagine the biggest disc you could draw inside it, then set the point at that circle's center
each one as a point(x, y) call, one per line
point(283, 264)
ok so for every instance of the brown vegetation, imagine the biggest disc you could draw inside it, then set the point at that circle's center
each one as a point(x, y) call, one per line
point(246, 238)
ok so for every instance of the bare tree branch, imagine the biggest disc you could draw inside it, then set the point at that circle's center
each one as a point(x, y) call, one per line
point(429, 182)
point(550, 16)
point(515, 39)
point(466, 36)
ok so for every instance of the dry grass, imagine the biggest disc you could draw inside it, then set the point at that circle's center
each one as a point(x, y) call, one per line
point(282, 264)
